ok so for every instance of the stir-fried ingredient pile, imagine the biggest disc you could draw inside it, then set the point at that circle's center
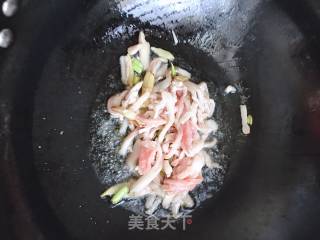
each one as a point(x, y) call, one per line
point(166, 121)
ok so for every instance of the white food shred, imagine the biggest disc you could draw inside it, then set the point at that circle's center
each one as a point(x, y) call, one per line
point(175, 38)
point(230, 89)
point(244, 117)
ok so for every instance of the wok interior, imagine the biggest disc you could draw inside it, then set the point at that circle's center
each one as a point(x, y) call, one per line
point(91, 74)
point(272, 178)
point(105, 139)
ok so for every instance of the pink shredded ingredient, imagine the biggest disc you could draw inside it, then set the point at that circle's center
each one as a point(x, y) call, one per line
point(171, 122)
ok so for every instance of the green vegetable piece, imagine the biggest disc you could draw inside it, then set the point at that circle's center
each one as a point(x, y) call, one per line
point(137, 65)
point(120, 194)
point(173, 70)
point(136, 79)
point(113, 189)
point(250, 119)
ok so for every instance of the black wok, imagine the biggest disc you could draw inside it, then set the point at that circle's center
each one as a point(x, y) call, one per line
point(52, 74)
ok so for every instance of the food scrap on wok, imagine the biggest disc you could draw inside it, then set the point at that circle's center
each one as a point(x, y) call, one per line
point(167, 125)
